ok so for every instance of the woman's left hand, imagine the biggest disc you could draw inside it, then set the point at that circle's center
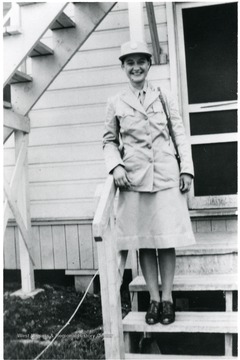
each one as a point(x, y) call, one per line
point(185, 182)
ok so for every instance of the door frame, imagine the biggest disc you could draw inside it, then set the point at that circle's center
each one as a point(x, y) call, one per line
point(212, 201)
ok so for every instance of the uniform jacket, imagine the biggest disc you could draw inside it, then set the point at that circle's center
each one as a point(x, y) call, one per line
point(137, 137)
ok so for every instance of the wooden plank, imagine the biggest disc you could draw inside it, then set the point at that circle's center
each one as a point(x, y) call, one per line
point(17, 246)
point(9, 250)
point(59, 247)
point(153, 32)
point(46, 242)
point(66, 191)
point(72, 243)
point(16, 121)
point(7, 132)
point(228, 344)
point(232, 225)
point(25, 233)
point(66, 134)
point(86, 96)
point(204, 226)
point(67, 116)
point(37, 247)
point(23, 220)
point(64, 172)
point(62, 22)
point(101, 76)
point(59, 209)
point(104, 209)
point(208, 282)
point(131, 356)
point(188, 322)
point(60, 153)
point(20, 77)
point(41, 49)
point(86, 247)
point(65, 44)
point(16, 50)
point(219, 225)
point(80, 272)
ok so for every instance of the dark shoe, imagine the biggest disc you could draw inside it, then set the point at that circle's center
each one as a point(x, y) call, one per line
point(152, 315)
point(167, 313)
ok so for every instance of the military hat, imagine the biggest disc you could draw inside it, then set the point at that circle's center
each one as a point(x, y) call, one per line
point(134, 47)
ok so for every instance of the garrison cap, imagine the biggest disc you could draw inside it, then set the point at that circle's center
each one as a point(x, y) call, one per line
point(134, 47)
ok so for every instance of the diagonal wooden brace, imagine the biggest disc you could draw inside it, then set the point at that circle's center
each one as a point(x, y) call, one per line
point(12, 201)
point(15, 177)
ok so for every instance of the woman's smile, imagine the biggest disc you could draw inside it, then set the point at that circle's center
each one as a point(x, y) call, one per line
point(136, 67)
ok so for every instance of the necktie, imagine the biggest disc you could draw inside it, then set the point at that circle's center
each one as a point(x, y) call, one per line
point(141, 96)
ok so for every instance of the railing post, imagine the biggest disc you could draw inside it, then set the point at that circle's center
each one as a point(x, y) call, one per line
point(105, 236)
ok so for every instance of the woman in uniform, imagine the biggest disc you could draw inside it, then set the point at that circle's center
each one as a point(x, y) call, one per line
point(152, 214)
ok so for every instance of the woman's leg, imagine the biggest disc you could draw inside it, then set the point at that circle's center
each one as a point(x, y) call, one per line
point(167, 261)
point(148, 262)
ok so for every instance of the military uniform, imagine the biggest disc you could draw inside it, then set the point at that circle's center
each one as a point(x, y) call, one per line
point(153, 212)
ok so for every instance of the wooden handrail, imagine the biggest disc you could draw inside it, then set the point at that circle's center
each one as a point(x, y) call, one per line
point(104, 209)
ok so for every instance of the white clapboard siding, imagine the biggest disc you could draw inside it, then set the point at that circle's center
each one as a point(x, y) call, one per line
point(102, 76)
point(83, 96)
point(64, 190)
point(60, 153)
point(63, 172)
point(104, 57)
point(65, 154)
point(68, 116)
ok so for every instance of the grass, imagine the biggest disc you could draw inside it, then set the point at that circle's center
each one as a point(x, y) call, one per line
point(29, 325)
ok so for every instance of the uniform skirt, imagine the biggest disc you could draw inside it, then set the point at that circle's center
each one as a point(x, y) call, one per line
point(158, 220)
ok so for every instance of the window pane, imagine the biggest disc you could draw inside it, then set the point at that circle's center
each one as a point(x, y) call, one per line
point(214, 122)
point(210, 34)
point(215, 169)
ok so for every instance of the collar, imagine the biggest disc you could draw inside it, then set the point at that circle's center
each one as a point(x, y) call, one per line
point(136, 91)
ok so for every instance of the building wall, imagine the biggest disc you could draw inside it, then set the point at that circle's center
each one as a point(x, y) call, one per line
point(65, 151)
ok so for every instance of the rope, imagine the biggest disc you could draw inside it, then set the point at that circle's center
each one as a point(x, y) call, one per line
point(68, 322)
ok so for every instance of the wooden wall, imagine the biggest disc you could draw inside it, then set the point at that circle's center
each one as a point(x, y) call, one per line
point(65, 152)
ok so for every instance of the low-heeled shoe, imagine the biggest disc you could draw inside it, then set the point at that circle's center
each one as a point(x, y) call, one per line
point(167, 313)
point(153, 313)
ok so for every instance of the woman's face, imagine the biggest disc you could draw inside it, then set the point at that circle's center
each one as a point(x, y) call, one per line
point(136, 67)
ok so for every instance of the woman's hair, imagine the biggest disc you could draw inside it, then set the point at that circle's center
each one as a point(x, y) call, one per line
point(149, 59)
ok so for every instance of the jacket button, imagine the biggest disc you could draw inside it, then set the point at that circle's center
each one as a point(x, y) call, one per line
point(150, 160)
point(149, 146)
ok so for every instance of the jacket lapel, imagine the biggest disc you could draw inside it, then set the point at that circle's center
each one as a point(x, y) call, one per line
point(151, 95)
point(129, 98)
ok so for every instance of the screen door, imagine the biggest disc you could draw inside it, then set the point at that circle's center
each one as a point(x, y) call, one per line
point(207, 46)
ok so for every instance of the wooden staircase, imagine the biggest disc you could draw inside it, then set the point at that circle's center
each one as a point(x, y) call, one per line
point(209, 266)
point(30, 66)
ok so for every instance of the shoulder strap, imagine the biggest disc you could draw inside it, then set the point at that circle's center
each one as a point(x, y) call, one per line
point(168, 119)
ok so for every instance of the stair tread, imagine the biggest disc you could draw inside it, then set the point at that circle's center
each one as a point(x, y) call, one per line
point(19, 77)
point(211, 243)
point(193, 282)
point(172, 357)
point(63, 22)
point(41, 49)
point(186, 322)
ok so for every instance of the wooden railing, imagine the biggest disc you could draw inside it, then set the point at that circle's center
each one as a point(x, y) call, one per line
point(111, 268)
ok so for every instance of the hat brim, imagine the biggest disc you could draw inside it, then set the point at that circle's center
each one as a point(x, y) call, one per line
point(134, 53)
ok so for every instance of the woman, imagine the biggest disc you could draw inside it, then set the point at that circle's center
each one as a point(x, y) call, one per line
point(152, 211)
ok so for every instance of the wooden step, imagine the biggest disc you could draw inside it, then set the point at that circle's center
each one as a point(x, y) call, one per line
point(186, 322)
point(224, 282)
point(63, 22)
point(211, 243)
point(132, 356)
point(41, 49)
point(20, 77)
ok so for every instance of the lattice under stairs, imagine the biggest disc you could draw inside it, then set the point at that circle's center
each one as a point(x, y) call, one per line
point(210, 265)
point(30, 66)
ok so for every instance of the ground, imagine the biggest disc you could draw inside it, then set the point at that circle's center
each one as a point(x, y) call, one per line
point(29, 325)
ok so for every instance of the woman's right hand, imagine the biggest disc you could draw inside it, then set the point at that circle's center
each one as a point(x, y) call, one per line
point(120, 177)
